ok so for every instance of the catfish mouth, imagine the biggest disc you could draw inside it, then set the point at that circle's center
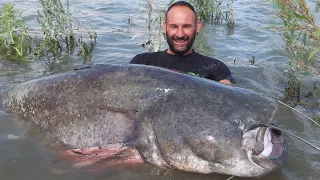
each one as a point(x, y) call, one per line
point(269, 149)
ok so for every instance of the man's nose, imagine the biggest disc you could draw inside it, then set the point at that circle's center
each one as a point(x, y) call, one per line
point(180, 32)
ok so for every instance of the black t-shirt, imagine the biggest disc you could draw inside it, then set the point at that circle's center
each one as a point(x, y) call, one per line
point(194, 63)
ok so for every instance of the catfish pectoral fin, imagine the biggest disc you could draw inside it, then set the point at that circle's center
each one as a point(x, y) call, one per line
point(108, 155)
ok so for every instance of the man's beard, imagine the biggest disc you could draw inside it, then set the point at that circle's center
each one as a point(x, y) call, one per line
point(186, 38)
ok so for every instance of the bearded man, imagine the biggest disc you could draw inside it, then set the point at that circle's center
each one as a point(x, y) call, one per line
point(180, 27)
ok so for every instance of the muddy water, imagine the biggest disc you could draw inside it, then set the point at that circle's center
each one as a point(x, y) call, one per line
point(23, 156)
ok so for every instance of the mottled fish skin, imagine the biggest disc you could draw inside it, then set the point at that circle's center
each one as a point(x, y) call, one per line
point(174, 120)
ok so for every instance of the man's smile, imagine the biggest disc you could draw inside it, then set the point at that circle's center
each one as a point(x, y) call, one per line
point(180, 42)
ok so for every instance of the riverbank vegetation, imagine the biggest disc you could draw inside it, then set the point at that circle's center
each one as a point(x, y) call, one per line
point(154, 23)
point(61, 33)
point(216, 11)
point(14, 39)
point(301, 34)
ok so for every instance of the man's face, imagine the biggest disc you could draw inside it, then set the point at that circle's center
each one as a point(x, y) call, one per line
point(181, 28)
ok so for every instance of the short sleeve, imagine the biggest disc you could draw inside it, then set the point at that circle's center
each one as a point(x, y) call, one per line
point(222, 72)
point(139, 59)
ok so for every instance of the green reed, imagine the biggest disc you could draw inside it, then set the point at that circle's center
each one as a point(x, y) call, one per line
point(155, 20)
point(13, 32)
point(150, 22)
point(301, 34)
point(293, 85)
point(62, 32)
point(214, 10)
point(207, 9)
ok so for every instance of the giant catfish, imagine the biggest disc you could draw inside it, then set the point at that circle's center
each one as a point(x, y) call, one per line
point(169, 119)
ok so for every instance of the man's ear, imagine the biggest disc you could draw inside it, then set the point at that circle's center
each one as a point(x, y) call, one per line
point(164, 27)
point(198, 26)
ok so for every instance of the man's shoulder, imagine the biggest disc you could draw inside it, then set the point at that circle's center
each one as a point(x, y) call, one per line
point(203, 60)
point(207, 59)
point(144, 58)
point(150, 54)
point(217, 68)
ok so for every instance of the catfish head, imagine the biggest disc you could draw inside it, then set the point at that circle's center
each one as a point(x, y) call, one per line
point(203, 134)
point(259, 151)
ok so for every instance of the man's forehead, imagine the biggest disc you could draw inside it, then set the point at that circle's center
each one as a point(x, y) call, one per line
point(181, 12)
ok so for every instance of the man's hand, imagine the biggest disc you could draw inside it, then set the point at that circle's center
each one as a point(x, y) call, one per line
point(225, 81)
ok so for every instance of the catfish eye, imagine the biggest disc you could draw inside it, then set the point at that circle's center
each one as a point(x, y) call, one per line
point(276, 131)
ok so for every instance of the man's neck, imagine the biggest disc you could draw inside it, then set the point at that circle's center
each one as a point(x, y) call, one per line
point(169, 51)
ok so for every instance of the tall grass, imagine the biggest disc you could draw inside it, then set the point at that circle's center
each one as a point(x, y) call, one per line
point(301, 35)
point(216, 11)
point(13, 32)
point(62, 33)
point(154, 23)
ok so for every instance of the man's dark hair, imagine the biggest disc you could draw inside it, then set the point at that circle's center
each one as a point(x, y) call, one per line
point(181, 3)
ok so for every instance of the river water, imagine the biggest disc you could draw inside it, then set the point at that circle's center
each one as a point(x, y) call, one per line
point(121, 29)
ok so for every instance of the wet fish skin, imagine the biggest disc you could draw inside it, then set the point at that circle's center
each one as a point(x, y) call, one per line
point(174, 120)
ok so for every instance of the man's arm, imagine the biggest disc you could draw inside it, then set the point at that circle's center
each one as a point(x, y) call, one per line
point(135, 59)
point(224, 74)
point(225, 81)
point(140, 59)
